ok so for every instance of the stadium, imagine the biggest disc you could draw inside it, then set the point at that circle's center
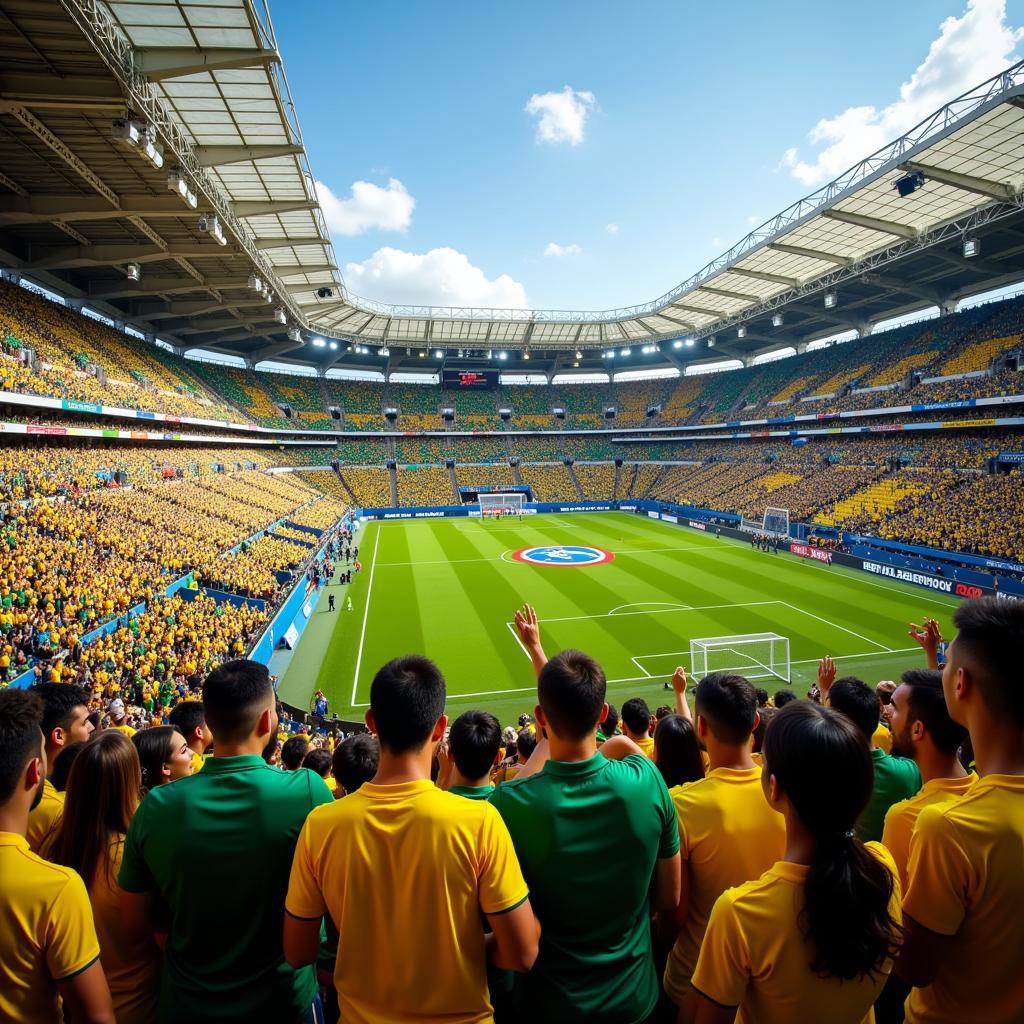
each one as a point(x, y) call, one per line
point(786, 484)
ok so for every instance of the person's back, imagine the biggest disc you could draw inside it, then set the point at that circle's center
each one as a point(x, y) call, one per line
point(404, 871)
point(216, 849)
point(728, 834)
point(584, 825)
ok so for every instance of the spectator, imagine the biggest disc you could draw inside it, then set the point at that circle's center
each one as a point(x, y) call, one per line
point(677, 751)
point(189, 718)
point(65, 721)
point(783, 696)
point(163, 755)
point(595, 962)
point(318, 760)
point(293, 752)
point(924, 733)
point(882, 737)
point(355, 761)
point(526, 743)
point(103, 794)
point(474, 749)
point(186, 845)
point(896, 778)
point(118, 718)
point(609, 727)
point(964, 904)
point(764, 717)
point(762, 697)
point(812, 939)
point(49, 953)
point(456, 861)
point(637, 722)
point(728, 834)
point(62, 765)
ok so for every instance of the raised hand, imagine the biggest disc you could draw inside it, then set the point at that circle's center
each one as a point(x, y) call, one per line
point(526, 626)
point(826, 676)
point(929, 636)
point(679, 685)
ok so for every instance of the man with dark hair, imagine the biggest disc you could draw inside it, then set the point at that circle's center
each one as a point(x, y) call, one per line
point(762, 697)
point(964, 904)
point(474, 748)
point(437, 859)
point(215, 849)
point(923, 731)
point(609, 727)
point(292, 753)
point(319, 760)
point(65, 721)
point(49, 953)
point(637, 722)
point(728, 833)
point(783, 696)
point(596, 962)
point(189, 718)
point(355, 761)
point(896, 778)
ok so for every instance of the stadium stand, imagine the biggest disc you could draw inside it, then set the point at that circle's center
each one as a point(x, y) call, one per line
point(596, 478)
point(425, 485)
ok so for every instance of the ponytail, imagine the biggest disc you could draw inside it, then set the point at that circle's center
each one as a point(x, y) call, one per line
point(822, 763)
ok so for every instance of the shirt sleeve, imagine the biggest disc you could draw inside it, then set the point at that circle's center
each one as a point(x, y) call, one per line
point(668, 845)
point(723, 968)
point(896, 837)
point(69, 932)
point(135, 875)
point(500, 879)
point(305, 898)
point(939, 874)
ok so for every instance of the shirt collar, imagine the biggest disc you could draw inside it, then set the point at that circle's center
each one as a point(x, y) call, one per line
point(222, 765)
point(575, 769)
point(13, 839)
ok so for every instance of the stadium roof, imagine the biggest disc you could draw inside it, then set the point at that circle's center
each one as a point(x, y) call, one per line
point(77, 206)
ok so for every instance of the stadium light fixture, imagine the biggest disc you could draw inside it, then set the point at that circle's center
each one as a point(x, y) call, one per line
point(624, 352)
point(178, 184)
point(423, 354)
point(689, 342)
point(490, 353)
point(831, 299)
point(526, 354)
point(439, 354)
point(677, 343)
point(279, 315)
point(255, 284)
point(319, 343)
point(294, 334)
point(384, 351)
point(503, 356)
point(711, 342)
point(579, 355)
point(777, 320)
point(576, 364)
point(333, 346)
point(741, 332)
point(210, 225)
point(133, 272)
point(908, 184)
point(972, 247)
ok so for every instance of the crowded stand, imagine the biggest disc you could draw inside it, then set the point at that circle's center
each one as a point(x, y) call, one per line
point(491, 477)
point(370, 488)
point(547, 481)
point(425, 485)
point(597, 479)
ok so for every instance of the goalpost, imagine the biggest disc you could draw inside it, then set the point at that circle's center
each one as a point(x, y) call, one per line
point(774, 522)
point(753, 655)
point(497, 505)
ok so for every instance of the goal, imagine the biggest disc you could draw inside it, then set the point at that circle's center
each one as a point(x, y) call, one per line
point(775, 523)
point(753, 655)
point(494, 506)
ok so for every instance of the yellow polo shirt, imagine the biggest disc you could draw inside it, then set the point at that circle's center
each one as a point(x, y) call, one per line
point(754, 955)
point(46, 932)
point(126, 729)
point(198, 760)
point(882, 738)
point(901, 818)
point(647, 746)
point(728, 835)
point(966, 882)
point(433, 858)
point(43, 821)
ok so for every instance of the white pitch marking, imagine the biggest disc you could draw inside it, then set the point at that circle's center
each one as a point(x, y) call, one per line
point(366, 616)
point(834, 625)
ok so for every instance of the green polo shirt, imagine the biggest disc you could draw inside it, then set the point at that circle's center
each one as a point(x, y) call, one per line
point(583, 831)
point(472, 792)
point(216, 849)
point(896, 778)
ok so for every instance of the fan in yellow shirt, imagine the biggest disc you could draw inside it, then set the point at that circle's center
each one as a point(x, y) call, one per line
point(637, 721)
point(813, 938)
point(923, 731)
point(965, 895)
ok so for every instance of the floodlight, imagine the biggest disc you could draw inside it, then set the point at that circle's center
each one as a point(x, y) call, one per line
point(624, 352)
point(324, 293)
point(503, 355)
point(319, 343)
point(689, 342)
point(579, 354)
point(384, 351)
point(294, 334)
point(831, 298)
point(526, 354)
point(255, 284)
point(678, 343)
point(972, 247)
point(711, 342)
point(178, 184)
point(741, 332)
point(908, 183)
point(576, 363)
point(334, 346)
point(423, 354)
point(132, 271)
point(279, 315)
point(777, 320)
point(439, 354)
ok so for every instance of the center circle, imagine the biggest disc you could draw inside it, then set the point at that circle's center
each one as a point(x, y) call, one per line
point(564, 554)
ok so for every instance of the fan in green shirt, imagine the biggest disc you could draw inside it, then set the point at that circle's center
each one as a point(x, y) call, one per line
point(216, 853)
point(471, 753)
point(586, 822)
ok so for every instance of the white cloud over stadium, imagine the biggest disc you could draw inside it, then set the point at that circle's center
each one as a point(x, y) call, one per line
point(968, 50)
point(553, 249)
point(561, 116)
point(442, 276)
point(369, 208)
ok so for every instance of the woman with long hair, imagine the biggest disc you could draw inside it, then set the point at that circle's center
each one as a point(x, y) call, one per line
point(164, 755)
point(813, 939)
point(104, 790)
point(677, 751)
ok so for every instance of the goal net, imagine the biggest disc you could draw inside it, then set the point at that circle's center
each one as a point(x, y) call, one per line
point(753, 655)
point(494, 506)
point(775, 523)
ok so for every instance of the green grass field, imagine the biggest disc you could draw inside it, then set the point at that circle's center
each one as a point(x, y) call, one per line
point(448, 588)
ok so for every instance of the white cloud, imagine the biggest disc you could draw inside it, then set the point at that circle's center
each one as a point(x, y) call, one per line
point(563, 115)
point(556, 250)
point(968, 50)
point(440, 277)
point(612, 229)
point(753, 219)
point(369, 207)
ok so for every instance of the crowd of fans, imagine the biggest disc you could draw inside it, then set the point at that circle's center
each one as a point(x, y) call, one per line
point(735, 856)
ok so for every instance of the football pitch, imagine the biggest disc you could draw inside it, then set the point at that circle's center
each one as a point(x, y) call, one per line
point(448, 588)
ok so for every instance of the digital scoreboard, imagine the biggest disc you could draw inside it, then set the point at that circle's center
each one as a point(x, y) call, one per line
point(475, 380)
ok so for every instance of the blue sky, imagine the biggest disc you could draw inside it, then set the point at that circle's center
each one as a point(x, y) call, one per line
point(683, 126)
